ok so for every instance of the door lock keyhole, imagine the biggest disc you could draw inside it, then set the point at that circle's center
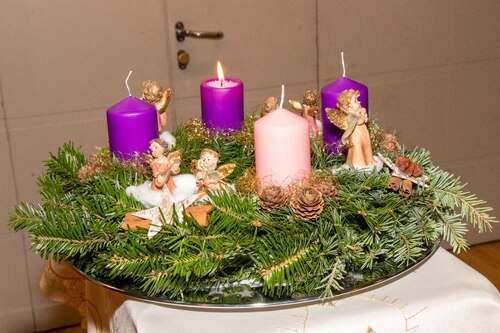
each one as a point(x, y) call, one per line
point(182, 59)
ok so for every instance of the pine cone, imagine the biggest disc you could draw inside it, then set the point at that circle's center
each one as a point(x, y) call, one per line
point(85, 172)
point(96, 163)
point(307, 203)
point(377, 135)
point(272, 197)
point(328, 190)
point(389, 143)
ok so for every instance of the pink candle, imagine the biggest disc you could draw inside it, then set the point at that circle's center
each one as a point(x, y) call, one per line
point(282, 148)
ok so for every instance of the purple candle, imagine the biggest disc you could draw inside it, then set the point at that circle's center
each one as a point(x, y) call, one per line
point(222, 103)
point(132, 124)
point(329, 94)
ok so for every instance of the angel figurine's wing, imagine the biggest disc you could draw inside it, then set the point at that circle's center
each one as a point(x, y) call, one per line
point(226, 169)
point(175, 155)
point(162, 104)
point(174, 159)
point(337, 117)
point(297, 106)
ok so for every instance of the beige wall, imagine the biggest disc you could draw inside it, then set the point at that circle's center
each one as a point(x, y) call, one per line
point(433, 69)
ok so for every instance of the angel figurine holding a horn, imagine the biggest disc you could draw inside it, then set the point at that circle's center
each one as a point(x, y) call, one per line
point(309, 109)
point(351, 117)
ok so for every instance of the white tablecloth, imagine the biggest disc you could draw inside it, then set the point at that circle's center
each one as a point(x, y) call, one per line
point(443, 295)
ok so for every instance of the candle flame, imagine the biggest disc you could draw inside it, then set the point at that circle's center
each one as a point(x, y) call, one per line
point(220, 73)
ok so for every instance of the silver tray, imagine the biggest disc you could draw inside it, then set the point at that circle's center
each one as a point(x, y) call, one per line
point(264, 304)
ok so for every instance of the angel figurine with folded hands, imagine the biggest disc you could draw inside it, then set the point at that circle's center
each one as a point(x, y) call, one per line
point(351, 117)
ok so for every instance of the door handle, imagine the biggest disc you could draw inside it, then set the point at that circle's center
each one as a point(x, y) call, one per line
point(181, 33)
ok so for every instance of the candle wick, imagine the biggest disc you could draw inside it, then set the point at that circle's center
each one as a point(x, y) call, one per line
point(126, 83)
point(282, 95)
point(221, 83)
point(343, 63)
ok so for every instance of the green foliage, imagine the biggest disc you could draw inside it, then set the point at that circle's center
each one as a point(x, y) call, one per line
point(365, 233)
point(233, 147)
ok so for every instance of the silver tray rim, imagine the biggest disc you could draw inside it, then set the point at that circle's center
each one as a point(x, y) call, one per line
point(268, 306)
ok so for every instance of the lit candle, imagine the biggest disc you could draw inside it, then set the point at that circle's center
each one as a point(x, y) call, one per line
point(329, 94)
point(132, 124)
point(222, 102)
point(282, 148)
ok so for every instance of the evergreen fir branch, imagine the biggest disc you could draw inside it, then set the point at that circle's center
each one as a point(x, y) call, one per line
point(228, 211)
point(207, 237)
point(408, 243)
point(471, 209)
point(56, 187)
point(331, 282)
point(233, 147)
point(67, 202)
point(165, 282)
point(212, 256)
point(454, 230)
point(124, 267)
point(62, 232)
point(365, 231)
point(408, 249)
point(125, 174)
point(430, 226)
point(348, 236)
point(129, 256)
point(183, 264)
point(449, 192)
point(27, 216)
point(279, 262)
point(61, 247)
point(320, 158)
point(67, 162)
point(422, 157)
point(159, 283)
point(232, 212)
point(373, 255)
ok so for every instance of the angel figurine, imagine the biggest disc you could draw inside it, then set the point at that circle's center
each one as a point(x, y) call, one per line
point(270, 104)
point(153, 94)
point(352, 118)
point(309, 109)
point(164, 165)
point(207, 175)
